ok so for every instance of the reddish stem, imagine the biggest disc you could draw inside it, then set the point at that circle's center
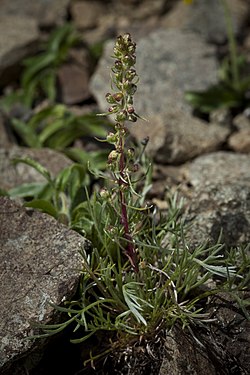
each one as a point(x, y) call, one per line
point(130, 250)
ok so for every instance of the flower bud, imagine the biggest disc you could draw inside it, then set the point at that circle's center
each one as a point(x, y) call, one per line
point(132, 89)
point(130, 100)
point(113, 109)
point(130, 74)
point(134, 167)
point(130, 109)
point(132, 47)
point(113, 156)
point(111, 137)
point(121, 116)
point(131, 153)
point(117, 52)
point(118, 77)
point(129, 60)
point(118, 96)
point(145, 141)
point(104, 193)
point(109, 98)
point(127, 38)
point(118, 65)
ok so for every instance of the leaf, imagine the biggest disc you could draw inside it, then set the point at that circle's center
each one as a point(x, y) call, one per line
point(44, 206)
point(46, 115)
point(27, 190)
point(59, 36)
point(222, 271)
point(96, 159)
point(51, 129)
point(39, 62)
point(37, 166)
point(26, 133)
point(133, 302)
point(48, 84)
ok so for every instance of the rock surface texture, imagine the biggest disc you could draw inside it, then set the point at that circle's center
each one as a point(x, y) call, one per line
point(207, 18)
point(220, 198)
point(39, 262)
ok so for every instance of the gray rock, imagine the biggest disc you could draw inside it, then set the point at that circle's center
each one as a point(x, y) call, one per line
point(14, 175)
point(239, 141)
point(86, 14)
point(220, 199)
point(219, 167)
point(182, 356)
point(73, 82)
point(51, 12)
point(20, 39)
point(207, 18)
point(39, 262)
point(178, 136)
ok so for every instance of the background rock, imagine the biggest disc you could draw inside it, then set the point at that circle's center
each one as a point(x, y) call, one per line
point(207, 18)
point(52, 11)
point(178, 136)
point(240, 140)
point(220, 199)
point(40, 262)
point(20, 40)
point(73, 83)
point(219, 167)
point(86, 14)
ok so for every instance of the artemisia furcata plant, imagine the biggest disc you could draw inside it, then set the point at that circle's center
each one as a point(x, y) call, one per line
point(121, 159)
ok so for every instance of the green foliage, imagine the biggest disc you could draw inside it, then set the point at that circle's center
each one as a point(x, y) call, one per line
point(39, 74)
point(56, 127)
point(57, 196)
point(40, 71)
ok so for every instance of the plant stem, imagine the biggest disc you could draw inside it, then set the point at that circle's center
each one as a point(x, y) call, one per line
point(231, 43)
point(130, 250)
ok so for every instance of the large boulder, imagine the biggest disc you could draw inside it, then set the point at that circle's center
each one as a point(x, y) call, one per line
point(40, 263)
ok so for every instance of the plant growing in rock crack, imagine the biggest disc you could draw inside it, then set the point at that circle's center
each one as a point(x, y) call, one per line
point(139, 277)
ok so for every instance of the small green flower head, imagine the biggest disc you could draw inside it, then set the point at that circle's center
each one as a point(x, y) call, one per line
point(124, 79)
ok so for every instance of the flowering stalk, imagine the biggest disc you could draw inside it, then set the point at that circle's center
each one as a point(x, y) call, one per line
point(120, 160)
